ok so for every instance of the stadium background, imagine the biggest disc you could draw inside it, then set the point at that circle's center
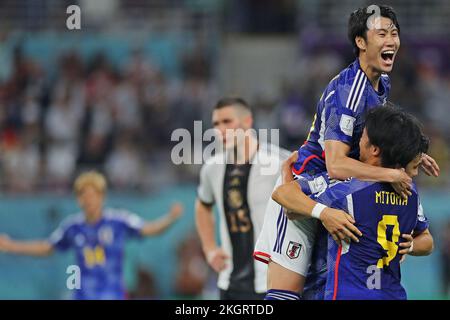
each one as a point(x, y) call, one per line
point(109, 95)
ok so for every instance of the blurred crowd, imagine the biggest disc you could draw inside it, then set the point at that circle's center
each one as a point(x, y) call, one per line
point(92, 115)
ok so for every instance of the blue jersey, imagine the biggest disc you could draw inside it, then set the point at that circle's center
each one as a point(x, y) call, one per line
point(99, 250)
point(314, 288)
point(340, 116)
point(316, 279)
point(370, 269)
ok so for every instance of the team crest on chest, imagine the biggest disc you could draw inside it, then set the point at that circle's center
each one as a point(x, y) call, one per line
point(105, 235)
point(293, 249)
point(80, 240)
point(235, 199)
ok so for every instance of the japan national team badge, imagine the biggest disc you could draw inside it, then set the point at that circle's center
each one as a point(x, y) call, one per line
point(105, 235)
point(293, 249)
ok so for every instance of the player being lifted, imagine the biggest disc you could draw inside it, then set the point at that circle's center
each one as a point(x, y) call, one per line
point(98, 237)
point(370, 268)
point(332, 147)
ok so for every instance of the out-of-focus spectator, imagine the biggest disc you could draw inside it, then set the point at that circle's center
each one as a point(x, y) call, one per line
point(62, 125)
point(81, 106)
point(5, 57)
point(435, 90)
point(294, 117)
point(124, 165)
point(193, 270)
point(22, 163)
point(146, 286)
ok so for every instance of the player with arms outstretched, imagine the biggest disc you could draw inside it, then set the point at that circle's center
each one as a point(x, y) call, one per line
point(98, 237)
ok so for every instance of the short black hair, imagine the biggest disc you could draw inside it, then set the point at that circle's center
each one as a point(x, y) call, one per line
point(357, 23)
point(232, 101)
point(397, 133)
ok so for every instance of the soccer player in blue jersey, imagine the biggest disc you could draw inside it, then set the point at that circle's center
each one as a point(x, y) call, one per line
point(370, 267)
point(332, 146)
point(98, 237)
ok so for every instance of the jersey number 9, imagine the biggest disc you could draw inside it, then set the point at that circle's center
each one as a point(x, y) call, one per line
point(390, 246)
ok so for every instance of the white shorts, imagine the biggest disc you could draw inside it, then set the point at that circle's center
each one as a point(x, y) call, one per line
point(286, 242)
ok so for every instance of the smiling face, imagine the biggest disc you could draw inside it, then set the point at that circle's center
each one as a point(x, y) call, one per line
point(382, 44)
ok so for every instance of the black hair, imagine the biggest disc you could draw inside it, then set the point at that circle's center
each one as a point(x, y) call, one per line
point(397, 133)
point(424, 144)
point(232, 101)
point(357, 23)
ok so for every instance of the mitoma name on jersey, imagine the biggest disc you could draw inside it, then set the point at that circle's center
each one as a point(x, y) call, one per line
point(390, 198)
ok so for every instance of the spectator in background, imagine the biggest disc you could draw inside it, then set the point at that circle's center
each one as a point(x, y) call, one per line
point(97, 124)
point(146, 286)
point(62, 123)
point(21, 164)
point(124, 166)
point(192, 269)
point(435, 89)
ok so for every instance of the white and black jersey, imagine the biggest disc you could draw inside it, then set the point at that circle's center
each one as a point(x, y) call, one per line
point(241, 193)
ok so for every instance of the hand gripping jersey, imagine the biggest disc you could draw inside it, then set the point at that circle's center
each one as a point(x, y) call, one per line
point(99, 250)
point(370, 269)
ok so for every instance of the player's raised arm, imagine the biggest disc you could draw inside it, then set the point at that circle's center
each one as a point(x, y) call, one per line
point(156, 227)
point(39, 248)
point(341, 166)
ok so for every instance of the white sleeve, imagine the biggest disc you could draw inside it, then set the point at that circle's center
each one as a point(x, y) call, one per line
point(204, 191)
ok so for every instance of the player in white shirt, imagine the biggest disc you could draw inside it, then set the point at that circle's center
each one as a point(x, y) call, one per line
point(239, 181)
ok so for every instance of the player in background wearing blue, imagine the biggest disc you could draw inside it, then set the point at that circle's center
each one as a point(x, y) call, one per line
point(332, 146)
point(98, 237)
point(369, 268)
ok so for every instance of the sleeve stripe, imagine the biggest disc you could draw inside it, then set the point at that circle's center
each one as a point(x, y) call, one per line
point(357, 92)
point(350, 205)
point(358, 74)
point(346, 246)
point(360, 95)
point(329, 95)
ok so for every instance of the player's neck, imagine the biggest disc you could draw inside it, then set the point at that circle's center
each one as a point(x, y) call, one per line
point(374, 161)
point(372, 74)
point(94, 218)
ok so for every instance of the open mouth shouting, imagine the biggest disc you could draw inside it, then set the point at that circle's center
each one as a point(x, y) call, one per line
point(387, 56)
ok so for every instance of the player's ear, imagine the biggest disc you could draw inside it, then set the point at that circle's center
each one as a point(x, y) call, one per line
point(376, 151)
point(248, 121)
point(361, 43)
